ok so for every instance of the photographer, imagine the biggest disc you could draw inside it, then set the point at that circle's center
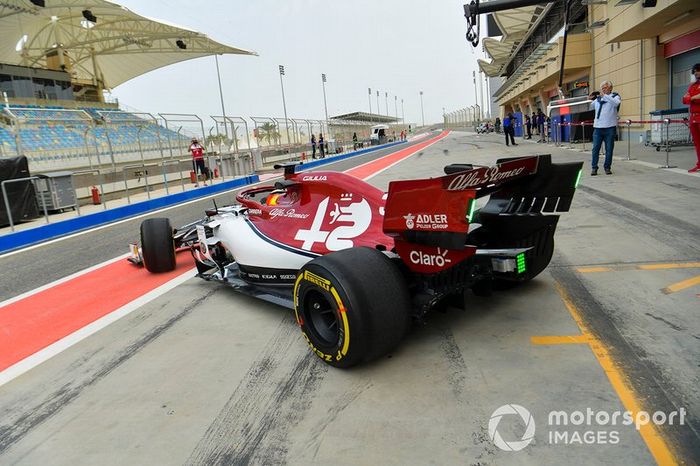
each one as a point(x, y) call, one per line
point(606, 105)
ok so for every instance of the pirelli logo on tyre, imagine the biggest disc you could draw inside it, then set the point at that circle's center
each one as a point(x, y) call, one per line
point(316, 280)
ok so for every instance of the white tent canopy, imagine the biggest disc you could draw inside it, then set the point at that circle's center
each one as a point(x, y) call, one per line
point(516, 25)
point(118, 46)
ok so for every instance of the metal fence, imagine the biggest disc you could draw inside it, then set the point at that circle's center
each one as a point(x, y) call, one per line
point(467, 117)
point(116, 153)
point(110, 138)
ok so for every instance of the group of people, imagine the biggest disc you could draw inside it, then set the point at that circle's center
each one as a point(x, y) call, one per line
point(322, 148)
point(536, 121)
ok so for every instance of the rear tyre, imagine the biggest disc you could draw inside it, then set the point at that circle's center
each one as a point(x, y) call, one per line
point(157, 245)
point(352, 306)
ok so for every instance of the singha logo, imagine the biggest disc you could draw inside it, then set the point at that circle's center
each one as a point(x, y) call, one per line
point(409, 221)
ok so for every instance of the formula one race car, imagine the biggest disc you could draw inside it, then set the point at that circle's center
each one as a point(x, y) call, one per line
point(357, 265)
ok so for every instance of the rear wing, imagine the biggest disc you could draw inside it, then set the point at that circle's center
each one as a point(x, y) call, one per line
point(438, 211)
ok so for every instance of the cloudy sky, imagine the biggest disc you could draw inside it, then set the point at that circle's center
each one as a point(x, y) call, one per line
point(395, 46)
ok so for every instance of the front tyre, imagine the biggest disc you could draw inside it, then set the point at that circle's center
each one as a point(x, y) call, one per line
point(352, 306)
point(157, 245)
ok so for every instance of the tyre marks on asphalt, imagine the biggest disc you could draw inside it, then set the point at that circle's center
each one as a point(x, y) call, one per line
point(457, 368)
point(665, 228)
point(269, 401)
point(307, 452)
point(31, 414)
point(645, 378)
point(457, 378)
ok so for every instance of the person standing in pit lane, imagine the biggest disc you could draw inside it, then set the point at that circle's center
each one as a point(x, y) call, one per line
point(321, 146)
point(540, 125)
point(313, 146)
point(606, 104)
point(692, 98)
point(528, 126)
point(198, 162)
point(509, 128)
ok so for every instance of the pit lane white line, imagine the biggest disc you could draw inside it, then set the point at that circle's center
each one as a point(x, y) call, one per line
point(64, 343)
point(61, 280)
point(399, 161)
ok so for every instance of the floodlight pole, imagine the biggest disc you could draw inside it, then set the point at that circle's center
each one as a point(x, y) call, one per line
point(221, 94)
point(421, 108)
point(476, 94)
point(284, 103)
point(325, 104)
point(369, 99)
point(403, 115)
point(386, 102)
point(379, 112)
point(396, 108)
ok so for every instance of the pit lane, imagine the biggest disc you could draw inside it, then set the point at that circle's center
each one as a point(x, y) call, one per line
point(202, 374)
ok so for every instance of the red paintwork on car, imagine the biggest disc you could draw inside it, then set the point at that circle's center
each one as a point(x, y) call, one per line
point(328, 211)
point(324, 212)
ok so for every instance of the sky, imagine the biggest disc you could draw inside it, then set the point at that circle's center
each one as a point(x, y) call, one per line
point(395, 46)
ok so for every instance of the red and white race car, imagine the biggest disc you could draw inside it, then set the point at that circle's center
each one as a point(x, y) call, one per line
point(357, 265)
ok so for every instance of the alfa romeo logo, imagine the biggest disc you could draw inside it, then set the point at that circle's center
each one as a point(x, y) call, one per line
point(515, 445)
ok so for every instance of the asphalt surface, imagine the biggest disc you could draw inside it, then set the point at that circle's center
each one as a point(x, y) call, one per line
point(203, 375)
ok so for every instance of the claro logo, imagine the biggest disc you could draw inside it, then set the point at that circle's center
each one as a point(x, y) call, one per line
point(478, 177)
point(437, 260)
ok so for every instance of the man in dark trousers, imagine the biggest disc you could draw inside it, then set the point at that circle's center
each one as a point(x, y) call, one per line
point(533, 121)
point(313, 146)
point(528, 126)
point(509, 128)
point(540, 125)
point(321, 146)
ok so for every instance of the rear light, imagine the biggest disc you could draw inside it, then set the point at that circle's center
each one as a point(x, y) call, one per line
point(471, 210)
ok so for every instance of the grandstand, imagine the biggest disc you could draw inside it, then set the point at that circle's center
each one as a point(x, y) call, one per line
point(53, 81)
point(59, 138)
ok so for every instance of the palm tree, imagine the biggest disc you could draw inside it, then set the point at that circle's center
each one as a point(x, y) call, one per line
point(268, 131)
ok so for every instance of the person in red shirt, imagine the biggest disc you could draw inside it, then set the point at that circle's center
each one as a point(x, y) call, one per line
point(692, 98)
point(198, 161)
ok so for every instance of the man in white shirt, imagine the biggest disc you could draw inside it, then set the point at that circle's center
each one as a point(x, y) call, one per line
point(606, 104)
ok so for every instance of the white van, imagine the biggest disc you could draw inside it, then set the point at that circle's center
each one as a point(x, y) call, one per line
point(378, 134)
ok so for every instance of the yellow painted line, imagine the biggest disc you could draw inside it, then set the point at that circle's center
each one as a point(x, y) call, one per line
point(650, 434)
point(594, 269)
point(664, 266)
point(559, 340)
point(686, 265)
point(682, 285)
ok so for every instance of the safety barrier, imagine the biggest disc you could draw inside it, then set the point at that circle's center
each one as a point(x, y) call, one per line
point(31, 236)
point(667, 122)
